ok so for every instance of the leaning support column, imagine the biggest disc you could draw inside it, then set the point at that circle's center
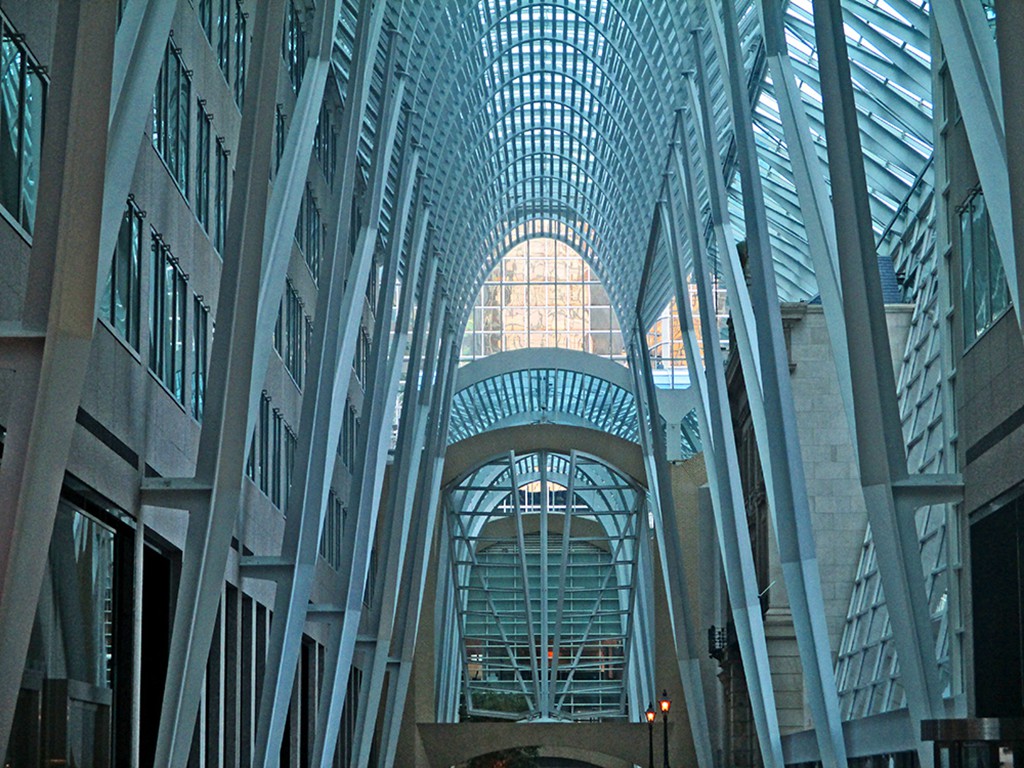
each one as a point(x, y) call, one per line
point(397, 523)
point(341, 645)
point(723, 473)
point(403, 644)
point(213, 495)
point(666, 532)
point(778, 441)
point(974, 67)
point(138, 56)
point(320, 422)
point(49, 351)
point(251, 284)
point(1010, 39)
point(812, 192)
point(889, 495)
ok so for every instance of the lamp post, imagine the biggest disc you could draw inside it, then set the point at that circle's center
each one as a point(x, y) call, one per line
point(665, 703)
point(651, 714)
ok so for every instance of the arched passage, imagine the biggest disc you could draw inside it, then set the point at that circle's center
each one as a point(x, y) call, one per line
point(606, 744)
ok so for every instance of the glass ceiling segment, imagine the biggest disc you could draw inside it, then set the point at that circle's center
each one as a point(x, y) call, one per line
point(890, 56)
point(543, 396)
point(562, 110)
point(587, 82)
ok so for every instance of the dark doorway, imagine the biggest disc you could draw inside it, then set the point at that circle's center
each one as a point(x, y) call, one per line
point(997, 576)
point(157, 615)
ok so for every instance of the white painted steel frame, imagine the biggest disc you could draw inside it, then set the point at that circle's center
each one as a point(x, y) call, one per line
point(470, 502)
point(212, 495)
point(669, 540)
point(49, 349)
point(723, 471)
point(889, 494)
point(770, 398)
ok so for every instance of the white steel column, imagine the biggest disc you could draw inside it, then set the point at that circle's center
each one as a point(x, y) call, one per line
point(323, 408)
point(777, 439)
point(138, 56)
point(213, 495)
point(889, 495)
point(372, 446)
point(397, 522)
point(49, 351)
point(403, 644)
point(811, 190)
point(973, 63)
point(341, 643)
point(723, 471)
point(666, 528)
point(1010, 39)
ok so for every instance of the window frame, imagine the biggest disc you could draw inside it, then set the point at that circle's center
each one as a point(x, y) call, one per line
point(23, 218)
point(126, 272)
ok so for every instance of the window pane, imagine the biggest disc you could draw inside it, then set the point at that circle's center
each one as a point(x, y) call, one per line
point(32, 139)
point(982, 278)
point(1000, 289)
point(967, 270)
point(10, 124)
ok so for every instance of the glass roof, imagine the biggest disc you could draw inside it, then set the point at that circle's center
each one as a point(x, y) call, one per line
point(540, 396)
point(559, 115)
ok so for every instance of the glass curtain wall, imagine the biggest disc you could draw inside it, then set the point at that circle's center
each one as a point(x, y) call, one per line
point(543, 294)
point(544, 555)
point(64, 713)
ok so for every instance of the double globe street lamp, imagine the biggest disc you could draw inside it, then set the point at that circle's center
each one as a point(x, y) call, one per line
point(664, 703)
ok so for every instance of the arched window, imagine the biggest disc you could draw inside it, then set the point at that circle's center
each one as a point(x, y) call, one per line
point(543, 294)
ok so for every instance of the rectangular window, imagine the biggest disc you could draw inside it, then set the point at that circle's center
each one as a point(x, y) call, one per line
point(279, 331)
point(264, 443)
point(290, 444)
point(220, 197)
point(279, 136)
point(250, 464)
point(205, 10)
point(325, 143)
point(294, 332)
point(349, 431)
point(309, 232)
point(22, 95)
point(202, 201)
point(985, 290)
point(331, 537)
point(121, 298)
point(293, 47)
point(362, 356)
point(307, 343)
point(224, 36)
point(171, 110)
point(200, 354)
point(240, 34)
point(275, 460)
point(168, 307)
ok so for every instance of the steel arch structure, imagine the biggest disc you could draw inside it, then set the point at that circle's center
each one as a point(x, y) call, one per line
point(470, 124)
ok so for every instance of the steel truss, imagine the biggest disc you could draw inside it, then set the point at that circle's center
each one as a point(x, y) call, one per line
point(545, 545)
point(543, 115)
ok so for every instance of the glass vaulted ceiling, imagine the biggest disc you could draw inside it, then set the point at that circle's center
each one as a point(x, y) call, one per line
point(558, 116)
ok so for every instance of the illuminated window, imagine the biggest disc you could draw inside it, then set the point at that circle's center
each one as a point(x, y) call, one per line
point(543, 294)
